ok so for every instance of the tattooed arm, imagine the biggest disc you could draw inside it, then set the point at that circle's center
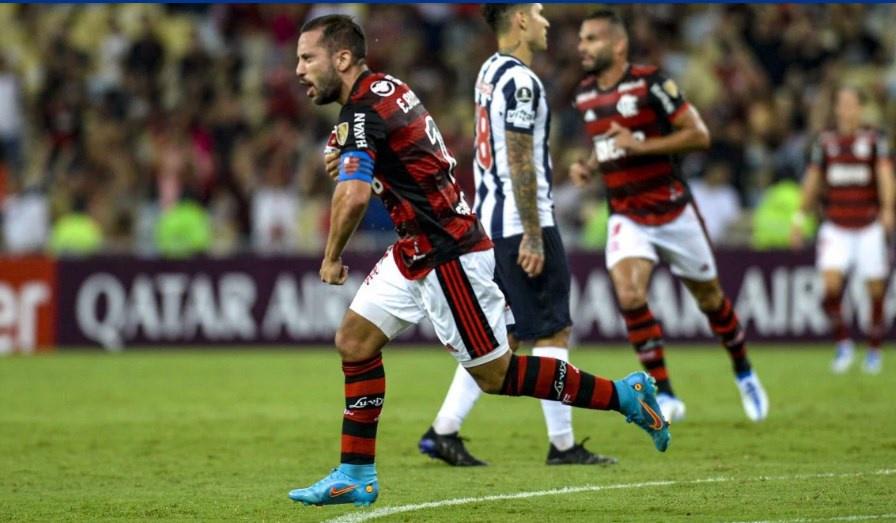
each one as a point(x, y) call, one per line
point(520, 149)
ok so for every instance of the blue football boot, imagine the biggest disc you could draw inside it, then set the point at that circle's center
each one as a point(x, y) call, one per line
point(752, 395)
point(339, 488)
point(873, 362)
point(637, 401)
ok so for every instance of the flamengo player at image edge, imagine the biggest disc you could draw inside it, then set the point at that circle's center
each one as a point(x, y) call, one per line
point(638, 120)
point(851, 169)
point(513, 177)
point(441, 267)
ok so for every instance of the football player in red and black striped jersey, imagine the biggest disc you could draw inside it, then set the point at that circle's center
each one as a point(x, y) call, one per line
point(442, 267)
point(851, 172)
point(639, 122)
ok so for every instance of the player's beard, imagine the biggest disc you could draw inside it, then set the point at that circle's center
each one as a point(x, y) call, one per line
point(328, 88)
point(603, 60)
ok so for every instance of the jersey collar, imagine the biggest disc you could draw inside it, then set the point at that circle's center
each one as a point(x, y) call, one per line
point(364, 74)
point(514, 58)
point(625, 74)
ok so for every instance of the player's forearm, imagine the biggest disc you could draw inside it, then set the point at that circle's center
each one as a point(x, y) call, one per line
point(679, 141)
point(522, 179)
point(809, 193)
point(346, 212)
point(592, 163)
point(886, 187)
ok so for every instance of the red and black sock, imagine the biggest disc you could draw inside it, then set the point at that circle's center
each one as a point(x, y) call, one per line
point(831, 306)
point(876, 330)
point(365, 389)
point(646, 336)
point(727, 327)
point(557, 380)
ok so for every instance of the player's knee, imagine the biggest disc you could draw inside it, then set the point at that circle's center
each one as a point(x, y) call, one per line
point(557, 339)
point(350, 347)
point(490, 377)
point(710, 300)
point(561, 338)
point(491, 383)
point(877, 289)
point(631, 297)
point(833, 283)
point(833, 292)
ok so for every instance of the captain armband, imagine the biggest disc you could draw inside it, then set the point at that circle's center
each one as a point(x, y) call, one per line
point(355, 165)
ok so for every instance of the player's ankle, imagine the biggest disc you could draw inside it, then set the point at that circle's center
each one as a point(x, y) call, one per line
point(359, 472)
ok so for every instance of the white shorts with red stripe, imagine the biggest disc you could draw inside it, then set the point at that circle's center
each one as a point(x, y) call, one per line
point(460, 298)
point(862, 251)
point(682, 243)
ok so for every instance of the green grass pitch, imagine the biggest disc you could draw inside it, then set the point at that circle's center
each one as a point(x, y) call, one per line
point(196, 435)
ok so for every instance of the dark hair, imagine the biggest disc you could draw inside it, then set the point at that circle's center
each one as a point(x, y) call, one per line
point(340, 32)
point(496, 15)
point(608, 15)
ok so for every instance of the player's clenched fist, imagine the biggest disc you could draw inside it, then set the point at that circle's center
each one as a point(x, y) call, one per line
point(333, 272)
point(531, 255)
point(580, 173)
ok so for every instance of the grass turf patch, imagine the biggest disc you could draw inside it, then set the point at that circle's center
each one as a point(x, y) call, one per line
point(197, 435)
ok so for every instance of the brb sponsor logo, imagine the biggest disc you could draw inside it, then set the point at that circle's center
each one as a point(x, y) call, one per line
point(26, 305)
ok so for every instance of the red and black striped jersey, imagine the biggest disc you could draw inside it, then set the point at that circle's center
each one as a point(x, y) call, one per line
point(412, 173)
point(648, 189)
point(848, 165)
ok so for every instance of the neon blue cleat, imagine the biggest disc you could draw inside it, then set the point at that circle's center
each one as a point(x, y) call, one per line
point(336, 489)
point(753, 396)
point(873, 362)
point(637, 401)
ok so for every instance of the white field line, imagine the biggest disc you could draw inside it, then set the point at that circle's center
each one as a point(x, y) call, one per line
point(857, 517)
point(361, 515)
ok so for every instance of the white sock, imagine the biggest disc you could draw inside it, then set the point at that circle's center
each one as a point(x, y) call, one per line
point(557, 416)
point(462, 395)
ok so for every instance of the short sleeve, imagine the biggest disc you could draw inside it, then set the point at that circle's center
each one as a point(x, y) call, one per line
point(666, 95)
point(521, 95)
point(360, 128)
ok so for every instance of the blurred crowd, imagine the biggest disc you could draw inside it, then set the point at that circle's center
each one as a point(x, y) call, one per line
point(179, 129)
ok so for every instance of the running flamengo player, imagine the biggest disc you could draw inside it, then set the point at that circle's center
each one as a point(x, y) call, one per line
point(513, 176)
point(441, 267)
point(851, 169)
point(638, 121)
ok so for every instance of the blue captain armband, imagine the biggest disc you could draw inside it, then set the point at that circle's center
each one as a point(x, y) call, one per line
point(356, 165)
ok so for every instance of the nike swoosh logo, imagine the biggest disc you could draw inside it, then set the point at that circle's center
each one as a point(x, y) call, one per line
point(657, 420)
point(336, 492)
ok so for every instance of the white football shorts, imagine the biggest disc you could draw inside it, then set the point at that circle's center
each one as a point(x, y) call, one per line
point(863, 251)
point(460, 298)
point(682, 243)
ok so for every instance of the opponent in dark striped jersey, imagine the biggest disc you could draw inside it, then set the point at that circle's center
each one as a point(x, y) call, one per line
point(851, 171)
point(513, 197)
point(639, 121)
point(441, 268)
